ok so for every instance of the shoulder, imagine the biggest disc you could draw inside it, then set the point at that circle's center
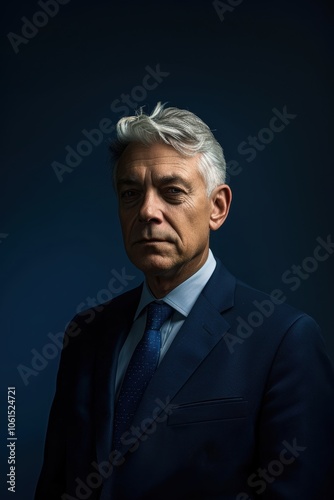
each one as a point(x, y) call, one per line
point(270, 332)
point(271, 306)
point(266, 319)
point(252, 304)
point(89, 322)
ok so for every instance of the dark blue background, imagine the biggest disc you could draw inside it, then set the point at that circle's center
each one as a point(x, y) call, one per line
point(63, 239)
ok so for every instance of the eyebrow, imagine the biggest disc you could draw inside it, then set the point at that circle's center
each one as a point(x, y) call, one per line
point(171, 179)
point(126, 181)
point(163, 180)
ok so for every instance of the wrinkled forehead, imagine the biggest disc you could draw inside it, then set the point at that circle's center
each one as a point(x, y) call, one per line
point(156, 157)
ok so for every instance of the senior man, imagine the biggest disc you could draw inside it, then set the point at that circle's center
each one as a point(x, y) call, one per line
point(164, 392)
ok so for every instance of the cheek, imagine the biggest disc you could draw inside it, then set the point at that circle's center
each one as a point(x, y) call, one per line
point(198, 218)
point(192, 229)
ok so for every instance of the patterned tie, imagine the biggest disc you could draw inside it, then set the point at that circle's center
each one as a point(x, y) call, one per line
point(142, 365)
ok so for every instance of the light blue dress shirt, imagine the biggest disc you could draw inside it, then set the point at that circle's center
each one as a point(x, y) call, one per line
point(181, 299)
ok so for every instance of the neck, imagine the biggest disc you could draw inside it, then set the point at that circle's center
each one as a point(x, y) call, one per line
point(160, 285)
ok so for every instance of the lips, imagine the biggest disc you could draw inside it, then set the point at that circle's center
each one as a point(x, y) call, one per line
point(152, 240)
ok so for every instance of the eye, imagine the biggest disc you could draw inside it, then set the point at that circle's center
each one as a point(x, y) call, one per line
point(174, 194)
point(129, 193)
point(174, 190)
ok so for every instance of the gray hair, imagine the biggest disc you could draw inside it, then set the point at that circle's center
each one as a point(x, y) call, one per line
point(179, 128)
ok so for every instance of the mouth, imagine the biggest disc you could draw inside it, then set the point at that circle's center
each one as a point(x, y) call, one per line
point(151, 240)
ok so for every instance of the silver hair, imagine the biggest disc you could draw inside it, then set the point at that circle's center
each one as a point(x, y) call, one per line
point(179, 128)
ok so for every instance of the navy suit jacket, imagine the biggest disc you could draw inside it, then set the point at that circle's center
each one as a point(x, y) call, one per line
point(241, 406)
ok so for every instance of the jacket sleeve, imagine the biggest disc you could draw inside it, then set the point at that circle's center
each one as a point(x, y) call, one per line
point(52, 479)
point(296, 431)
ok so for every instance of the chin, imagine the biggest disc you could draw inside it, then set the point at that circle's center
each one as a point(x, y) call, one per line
point(154, 264)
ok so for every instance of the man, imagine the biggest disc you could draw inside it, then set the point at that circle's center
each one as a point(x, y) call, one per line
point(166, 391)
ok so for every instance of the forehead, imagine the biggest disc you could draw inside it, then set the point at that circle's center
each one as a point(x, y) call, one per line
point(158, 157)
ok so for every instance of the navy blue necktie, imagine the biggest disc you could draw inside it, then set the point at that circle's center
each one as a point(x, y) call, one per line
point(141, 368)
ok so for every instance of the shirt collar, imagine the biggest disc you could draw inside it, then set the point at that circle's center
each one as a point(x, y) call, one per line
point(183, 297)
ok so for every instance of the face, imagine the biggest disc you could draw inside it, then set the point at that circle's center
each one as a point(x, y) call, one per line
point(164, 210)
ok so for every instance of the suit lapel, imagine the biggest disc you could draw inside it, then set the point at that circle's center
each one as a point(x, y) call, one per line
point(201, 331)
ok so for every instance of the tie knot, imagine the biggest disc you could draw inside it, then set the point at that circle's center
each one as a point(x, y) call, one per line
point(157, 314)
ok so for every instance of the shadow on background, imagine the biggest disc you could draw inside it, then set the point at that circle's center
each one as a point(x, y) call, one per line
point(71, 70)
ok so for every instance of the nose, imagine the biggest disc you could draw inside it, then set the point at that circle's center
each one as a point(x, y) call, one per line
point(150, 209)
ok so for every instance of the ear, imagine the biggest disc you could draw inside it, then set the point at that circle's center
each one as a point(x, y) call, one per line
point(221, 198)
